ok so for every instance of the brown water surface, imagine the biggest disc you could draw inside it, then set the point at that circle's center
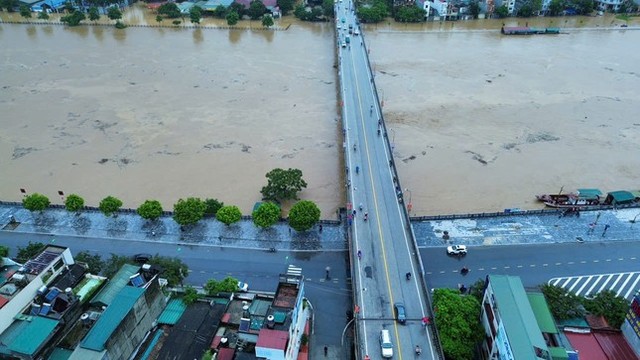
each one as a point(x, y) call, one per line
point(167, 113)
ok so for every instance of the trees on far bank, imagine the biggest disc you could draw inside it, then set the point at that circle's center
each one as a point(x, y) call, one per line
point(267, 21)
point(74, 18)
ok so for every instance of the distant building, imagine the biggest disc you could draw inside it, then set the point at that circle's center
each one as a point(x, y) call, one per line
point(631, 325)
point(517, 325)
point(608, 5)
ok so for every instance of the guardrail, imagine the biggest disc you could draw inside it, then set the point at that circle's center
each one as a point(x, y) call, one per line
point(171, 26)
point(407, 219)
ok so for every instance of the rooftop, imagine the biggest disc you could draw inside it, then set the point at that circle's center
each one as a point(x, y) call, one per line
point(172, 313)
point(36, 265)
point(286, 295)
point(542, 313)
point(119, 281)
point(111, 318)
point(273, 339)
point(517, 316)
point(27, 334)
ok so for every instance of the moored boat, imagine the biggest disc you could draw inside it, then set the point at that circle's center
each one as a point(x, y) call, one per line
point(578, 199)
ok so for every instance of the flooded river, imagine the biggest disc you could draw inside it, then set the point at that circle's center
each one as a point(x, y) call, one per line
point(480, 122)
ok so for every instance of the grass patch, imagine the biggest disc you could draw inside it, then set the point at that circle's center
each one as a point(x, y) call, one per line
point(623, 17)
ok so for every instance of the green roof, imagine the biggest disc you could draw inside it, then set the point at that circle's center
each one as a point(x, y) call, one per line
point(636, 193)
point(589, 194)
point(558, 353)
point(541, 311)
point(60, 354)
point(111, 318)
point(517, 317)
point(172, 313)
point(113, 287)
point(622, 197)
point(28, 335)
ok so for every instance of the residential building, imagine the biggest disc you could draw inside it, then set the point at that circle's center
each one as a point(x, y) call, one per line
point(517, 325)
point(39, 300)
point(116, 332)
point(609, 5)
point(631, 326)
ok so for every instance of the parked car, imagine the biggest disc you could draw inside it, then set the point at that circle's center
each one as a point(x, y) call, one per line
point(142, 258)
point(458, 250)
point(386, 346)
point(401, 316)
point(243, 286)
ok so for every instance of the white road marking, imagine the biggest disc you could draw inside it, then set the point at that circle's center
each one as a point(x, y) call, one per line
point(623, 284)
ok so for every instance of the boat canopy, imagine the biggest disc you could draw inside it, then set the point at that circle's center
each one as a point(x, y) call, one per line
point(620, 197)
point(589, 194)
point(636, 194)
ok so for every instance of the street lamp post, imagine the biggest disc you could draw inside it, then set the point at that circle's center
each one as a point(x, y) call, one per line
point(409, 205)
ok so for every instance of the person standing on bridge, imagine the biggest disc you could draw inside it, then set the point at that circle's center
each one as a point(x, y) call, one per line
point(371, 110)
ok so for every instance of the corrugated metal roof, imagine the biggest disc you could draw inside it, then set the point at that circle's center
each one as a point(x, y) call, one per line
point(272, 339)
point(622, 196)
point(111, 318)
point(60, 354)
point(517, 317)
point(541, 311)
point(26, 337)
point(113, 287)
point(558, 353)
point(172, 313)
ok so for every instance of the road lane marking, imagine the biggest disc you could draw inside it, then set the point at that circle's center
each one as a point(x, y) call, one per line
point(605, 283)
point(576, 283)
point(623, 285)
point(557, 264)
point(570, 263)
point(545, 264)
point(586, 282)
point(632, 288)
point(616, 282)
point(507, 267)
point(566, 282)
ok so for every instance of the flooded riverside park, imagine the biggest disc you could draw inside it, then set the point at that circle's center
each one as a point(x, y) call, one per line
point(481, 122)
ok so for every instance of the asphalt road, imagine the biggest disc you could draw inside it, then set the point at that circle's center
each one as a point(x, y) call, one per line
point(535, 264)
point(330, 299)
point(383, 240)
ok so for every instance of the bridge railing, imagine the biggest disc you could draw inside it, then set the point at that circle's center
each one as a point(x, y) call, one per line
point(407, 220)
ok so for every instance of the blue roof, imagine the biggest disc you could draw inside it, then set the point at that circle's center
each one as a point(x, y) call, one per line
point(111, 318)
point(117, 283)
point(172, 313)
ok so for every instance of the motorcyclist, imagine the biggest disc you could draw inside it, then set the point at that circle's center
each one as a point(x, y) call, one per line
point(408, 276)
point(366, 216)
point(418, 350)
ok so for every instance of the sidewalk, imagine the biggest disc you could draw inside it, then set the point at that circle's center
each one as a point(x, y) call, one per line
point(130, 226)
point(531, 229)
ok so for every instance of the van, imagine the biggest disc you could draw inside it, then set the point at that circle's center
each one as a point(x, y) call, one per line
point(386, 347)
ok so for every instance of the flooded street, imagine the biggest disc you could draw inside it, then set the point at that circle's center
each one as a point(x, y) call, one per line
point(481, 122)
point(167, 113)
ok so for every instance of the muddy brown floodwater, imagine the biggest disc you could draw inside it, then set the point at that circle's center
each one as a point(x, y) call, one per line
point(167, 113)
point(481, 122)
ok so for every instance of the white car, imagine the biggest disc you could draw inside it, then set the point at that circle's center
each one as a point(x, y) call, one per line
point(339, 27)
point(457, 250)
point(243, 286)
point(344, 44)
point(356, 32)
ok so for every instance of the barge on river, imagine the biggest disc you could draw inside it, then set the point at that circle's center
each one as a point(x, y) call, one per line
point(525, 30)
point(590, 198)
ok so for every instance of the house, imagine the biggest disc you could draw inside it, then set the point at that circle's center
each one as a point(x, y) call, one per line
point(43, 5)
point(517, 325)
point(271, 5)
point(38, 301)
point(211, 5)
point(117, 331)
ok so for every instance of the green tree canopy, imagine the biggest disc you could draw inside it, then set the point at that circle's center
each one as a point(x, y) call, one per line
point(74, 18)
point(4, 251)
point(220, 12)
point(173, 269)
point(256, 9)
point(229, 214)
point(74, 203)
point(266, 215)
point(195, 15)
point(189, 211)
point(25, 12)
point(94, 262)
point(9, 5)
point(525, 11)
point(190, 295)
point(287, 5)
point(606, 303)
point(562, 303)
point(213, 205)
point(474, 9)
point(43, 15)
point(35, 202)
point(232, 18)
point(159, 18)
point(267, 21)
point(457, 322)
point(502, 11)
point(556, 7)
point(374, 13)
point(94, 13)
point(31, 250)
point(327, 8)
point(114, 13)
point(583, 7)
point(150, 210)
point(304, 215)
point(228, 284)
point(410, 13)
point(283, 184)
point(169, 10)
point(110, 205)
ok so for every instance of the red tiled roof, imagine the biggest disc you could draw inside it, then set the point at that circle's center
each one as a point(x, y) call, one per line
point(215, 342)
point(225, 318)
point(3, 301)
point(226, 354)
point(272, 339)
